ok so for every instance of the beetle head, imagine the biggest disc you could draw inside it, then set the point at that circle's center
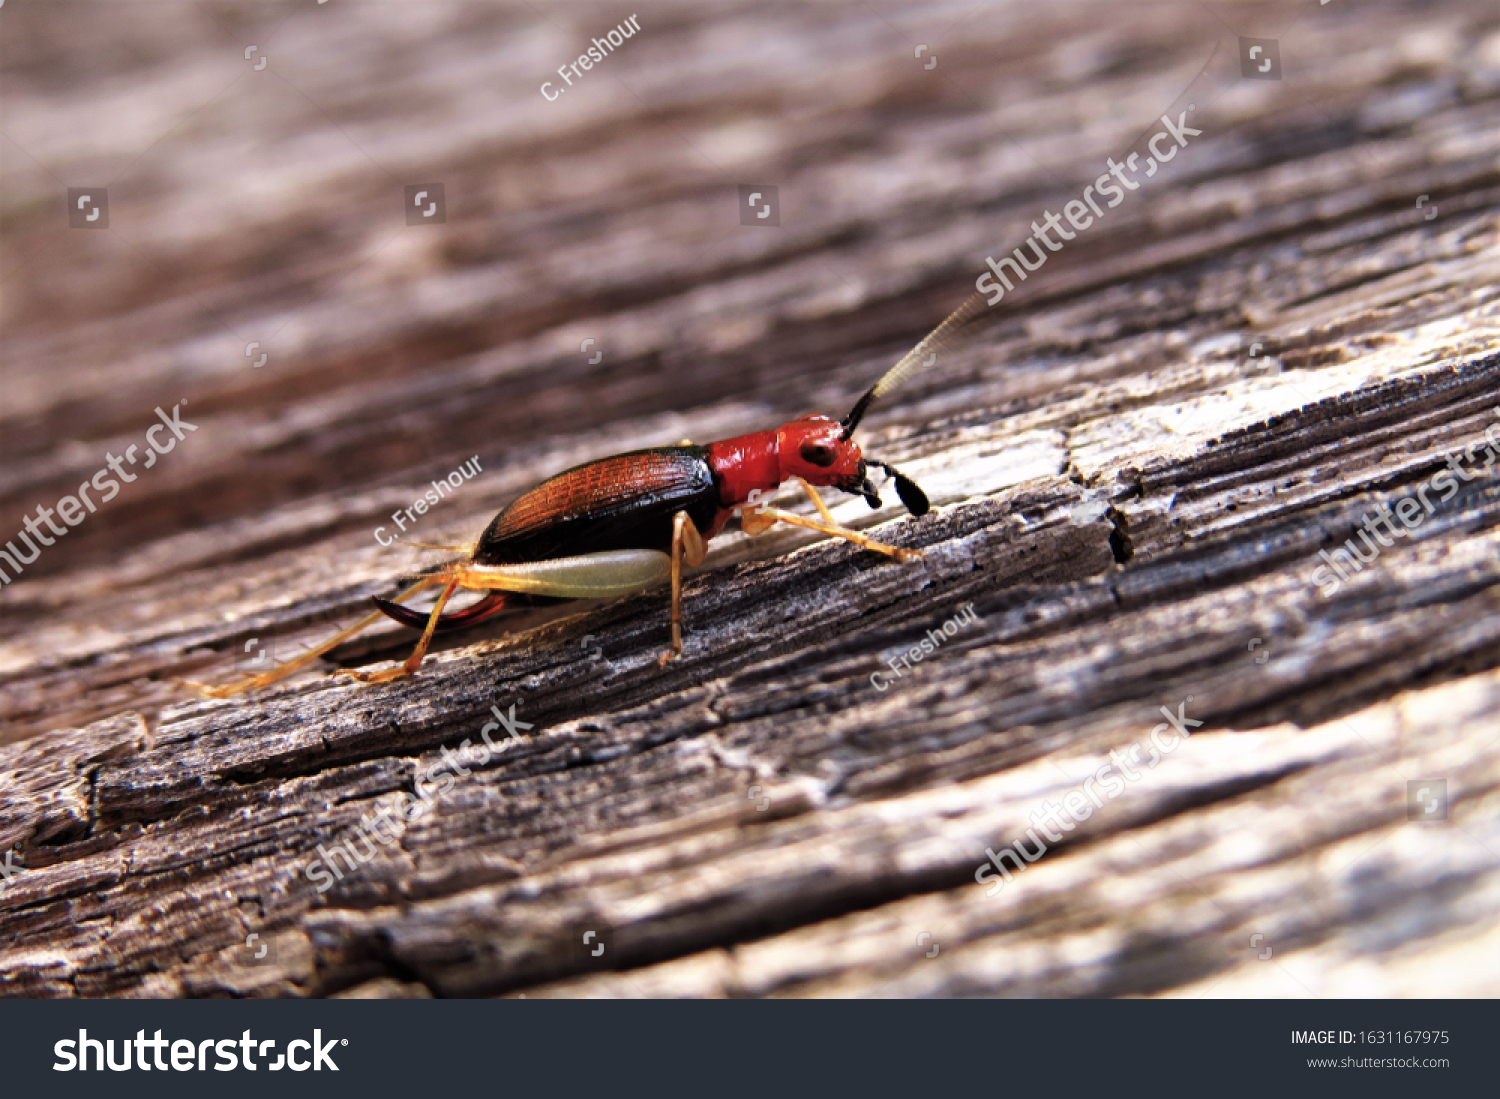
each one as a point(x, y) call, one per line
point(820, 451)
point(814, 449)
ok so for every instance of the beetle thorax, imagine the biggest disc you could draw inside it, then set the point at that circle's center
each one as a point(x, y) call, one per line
point(744, 464)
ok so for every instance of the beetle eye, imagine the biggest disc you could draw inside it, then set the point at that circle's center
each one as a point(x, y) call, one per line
point(815, 454)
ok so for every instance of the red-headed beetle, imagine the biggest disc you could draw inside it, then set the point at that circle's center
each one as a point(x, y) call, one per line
point(620, 525)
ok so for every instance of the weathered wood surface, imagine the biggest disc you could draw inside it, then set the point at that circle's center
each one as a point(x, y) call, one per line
point(1132, 504)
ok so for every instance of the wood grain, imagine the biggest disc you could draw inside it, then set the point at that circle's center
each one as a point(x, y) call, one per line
point(1132, 500)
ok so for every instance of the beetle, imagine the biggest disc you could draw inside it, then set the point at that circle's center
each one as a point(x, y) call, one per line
point(619, 525)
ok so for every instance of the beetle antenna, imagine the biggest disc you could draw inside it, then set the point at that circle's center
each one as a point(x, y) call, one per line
point(911, 495)
point(921, 355)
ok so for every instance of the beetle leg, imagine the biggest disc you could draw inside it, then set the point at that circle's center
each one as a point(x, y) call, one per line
point(414, 661)
point(281, 671)
point(687, 543)
point(777, 515)
point(492, 604)
point(756, 520)
point(818, 503)
point(603, 575)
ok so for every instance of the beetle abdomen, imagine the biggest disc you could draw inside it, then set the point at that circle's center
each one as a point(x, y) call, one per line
point(623, 502)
